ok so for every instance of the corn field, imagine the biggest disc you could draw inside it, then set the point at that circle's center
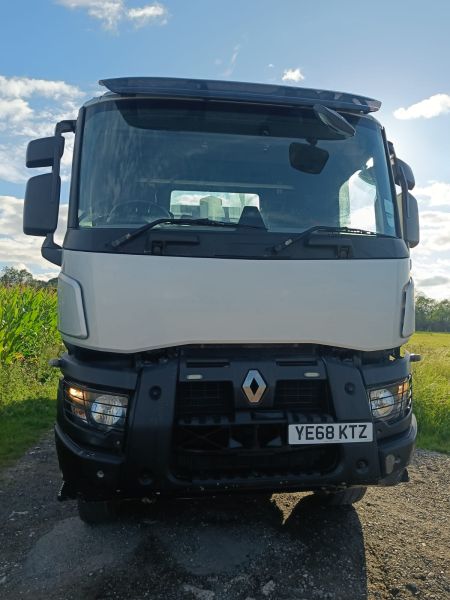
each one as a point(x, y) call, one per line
point(28, 322)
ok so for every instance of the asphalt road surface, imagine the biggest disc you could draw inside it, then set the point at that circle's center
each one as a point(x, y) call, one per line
point(394, 544)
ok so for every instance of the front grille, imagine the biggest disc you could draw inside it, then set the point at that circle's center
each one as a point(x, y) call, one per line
point(302, 395)
point(196, 398)
point(217, 437)
point(248, 444)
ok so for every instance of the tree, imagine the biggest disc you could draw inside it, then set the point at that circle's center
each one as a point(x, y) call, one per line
point(53, 282)
point(432, 315)
point(13, 276)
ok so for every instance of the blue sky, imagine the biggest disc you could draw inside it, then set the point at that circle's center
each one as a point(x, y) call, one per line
point(52, 53)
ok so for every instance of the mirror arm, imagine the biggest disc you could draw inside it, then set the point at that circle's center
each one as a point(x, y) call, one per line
point(67, 126)
point(51, 251)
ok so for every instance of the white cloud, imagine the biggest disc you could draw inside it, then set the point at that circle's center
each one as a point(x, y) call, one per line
point(107, 11)
point(112, 12)
point(431, 258)
point(23, 251)
point(16, 93)
point(436, 193)
point(433, 106)
point(431, 275)
point(147, 14)
point(435, 280)
point(14, 110)
point(232, 62)
point(12, 162)
point(30, 108)
point(24, 87)
point(294, 75)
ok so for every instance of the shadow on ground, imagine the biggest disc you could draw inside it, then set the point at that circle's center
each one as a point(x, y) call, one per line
point(222, 548)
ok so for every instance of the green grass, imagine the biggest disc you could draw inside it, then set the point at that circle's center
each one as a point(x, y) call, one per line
point(431, 380)
point(28, 385)
point(28, 338)
point(27, 404)
point(22, 425)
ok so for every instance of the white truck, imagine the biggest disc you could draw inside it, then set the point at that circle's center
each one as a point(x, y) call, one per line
point(234, 293)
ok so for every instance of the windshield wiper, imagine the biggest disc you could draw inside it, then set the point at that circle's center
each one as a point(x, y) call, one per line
point(131, 235)
point(305, 234)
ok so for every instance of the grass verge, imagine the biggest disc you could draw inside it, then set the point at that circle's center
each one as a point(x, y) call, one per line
point(431, 381)
point(27, 405)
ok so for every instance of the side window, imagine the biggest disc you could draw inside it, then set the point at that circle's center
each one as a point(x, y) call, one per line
point(357, 198)
point(362, 204)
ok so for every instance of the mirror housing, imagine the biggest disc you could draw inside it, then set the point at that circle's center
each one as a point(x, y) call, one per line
point(400, 165)
point(404, 177)
point(411, 221)
point(334, 121)
point(42, 152)
point(40, 211)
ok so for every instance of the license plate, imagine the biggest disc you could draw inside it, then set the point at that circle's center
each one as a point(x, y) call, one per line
point(330, 433)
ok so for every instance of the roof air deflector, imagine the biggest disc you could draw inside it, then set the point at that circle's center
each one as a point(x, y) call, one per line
point(166, 87)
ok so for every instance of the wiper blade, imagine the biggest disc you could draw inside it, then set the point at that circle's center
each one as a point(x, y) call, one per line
point(330, 229)
point(131, 235)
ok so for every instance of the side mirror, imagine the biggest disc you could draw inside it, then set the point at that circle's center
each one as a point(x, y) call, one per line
point(41, 204)
point(40, 212)
point(41, 153)
point(411, 220)
point(407, 173)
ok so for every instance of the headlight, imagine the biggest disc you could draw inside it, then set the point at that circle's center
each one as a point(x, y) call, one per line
point(108, 410)
point(382, 403)
point(392, 401)
point(96, 408)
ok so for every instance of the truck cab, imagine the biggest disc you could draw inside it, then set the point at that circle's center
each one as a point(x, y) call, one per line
point(234, 293)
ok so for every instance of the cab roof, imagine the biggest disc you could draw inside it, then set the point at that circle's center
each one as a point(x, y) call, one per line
point(203, 89)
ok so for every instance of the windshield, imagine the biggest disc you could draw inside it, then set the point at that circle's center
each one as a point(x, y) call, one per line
point(142, 160)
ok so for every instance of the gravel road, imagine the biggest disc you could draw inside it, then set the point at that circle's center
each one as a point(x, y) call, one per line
point(394, 544)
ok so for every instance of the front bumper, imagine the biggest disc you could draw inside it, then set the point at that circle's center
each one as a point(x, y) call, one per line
point(145, 463)
point(81, 468)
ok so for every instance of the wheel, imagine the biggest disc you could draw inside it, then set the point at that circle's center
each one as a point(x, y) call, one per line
point(340, 498)
point(95, 513)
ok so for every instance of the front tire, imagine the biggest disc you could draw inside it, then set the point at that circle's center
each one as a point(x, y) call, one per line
point(96, 513)
point(340, 498)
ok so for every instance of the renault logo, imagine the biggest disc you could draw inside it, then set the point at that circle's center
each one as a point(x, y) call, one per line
point(254, 386)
